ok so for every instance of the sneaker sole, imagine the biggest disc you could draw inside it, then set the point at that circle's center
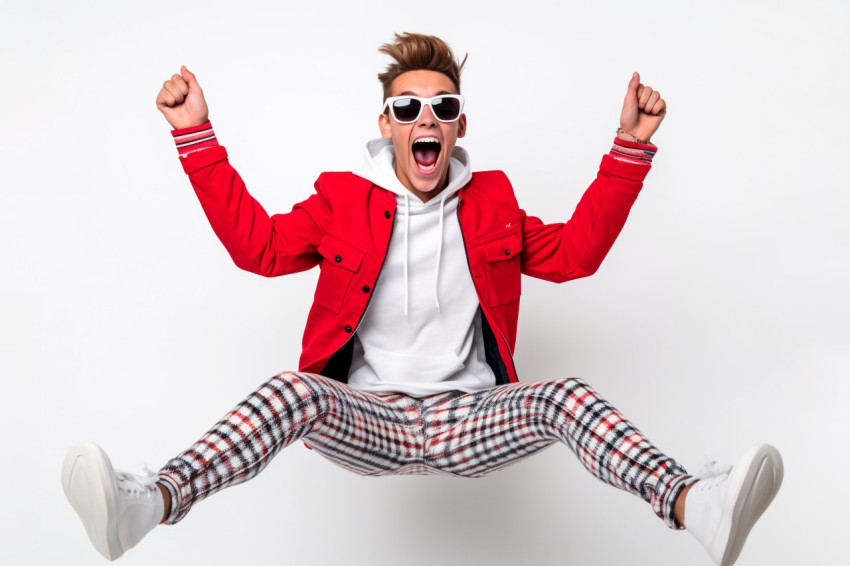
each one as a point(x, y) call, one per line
point(89, 484)
point(761, 482)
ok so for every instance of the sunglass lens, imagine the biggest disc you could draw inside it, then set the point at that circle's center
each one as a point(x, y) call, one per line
point(406, 109)
point(446, 109)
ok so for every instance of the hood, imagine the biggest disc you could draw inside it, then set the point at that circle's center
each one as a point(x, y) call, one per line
point(379, 167)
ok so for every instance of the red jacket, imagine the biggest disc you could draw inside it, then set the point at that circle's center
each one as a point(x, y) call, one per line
point(345, 228)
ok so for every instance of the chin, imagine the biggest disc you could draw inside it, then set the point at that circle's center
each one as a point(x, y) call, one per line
point(434, 182)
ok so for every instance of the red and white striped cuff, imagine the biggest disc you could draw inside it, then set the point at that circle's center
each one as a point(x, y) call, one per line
point(193, 139)
point(633, 152)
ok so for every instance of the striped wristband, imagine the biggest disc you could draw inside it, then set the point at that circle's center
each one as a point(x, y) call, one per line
point(193, 139)
point(633, 152)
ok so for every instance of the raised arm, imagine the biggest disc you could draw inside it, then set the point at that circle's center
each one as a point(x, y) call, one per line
point(257, 242)
point(563, 251)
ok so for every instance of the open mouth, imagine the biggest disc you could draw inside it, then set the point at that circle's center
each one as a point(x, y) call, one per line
point(425, 153)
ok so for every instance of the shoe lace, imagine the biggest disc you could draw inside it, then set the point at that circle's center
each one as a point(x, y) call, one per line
point(711, 475)
point(136, 484)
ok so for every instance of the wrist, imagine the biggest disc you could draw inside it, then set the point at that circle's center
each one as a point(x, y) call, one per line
point(635, 136)
point(186, 124)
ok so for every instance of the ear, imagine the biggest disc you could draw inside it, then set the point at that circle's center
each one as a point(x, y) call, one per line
point(461, 126)
point(384, 125)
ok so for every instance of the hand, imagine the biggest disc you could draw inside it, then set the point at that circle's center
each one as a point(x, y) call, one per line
point(643, 110)
point(181, 101)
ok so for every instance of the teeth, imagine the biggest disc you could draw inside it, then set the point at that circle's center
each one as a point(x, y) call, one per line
point(427, 140)
point(429, 168)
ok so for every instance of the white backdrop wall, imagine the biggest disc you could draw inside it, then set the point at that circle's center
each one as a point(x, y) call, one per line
point(718, 320)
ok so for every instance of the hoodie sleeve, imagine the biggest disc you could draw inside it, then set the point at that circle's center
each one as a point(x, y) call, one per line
point(259, 243)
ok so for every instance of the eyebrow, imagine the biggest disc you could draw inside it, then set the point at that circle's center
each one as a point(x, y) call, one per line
point(411, 93)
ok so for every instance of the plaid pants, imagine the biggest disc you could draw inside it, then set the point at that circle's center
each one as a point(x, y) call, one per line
point(453, 433)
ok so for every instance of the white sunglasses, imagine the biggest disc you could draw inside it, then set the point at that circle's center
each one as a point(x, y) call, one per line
point(407, 109)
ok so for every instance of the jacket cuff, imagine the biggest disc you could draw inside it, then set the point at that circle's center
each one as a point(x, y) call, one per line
point(624, 166)
point(193, 139)
point(633, 152)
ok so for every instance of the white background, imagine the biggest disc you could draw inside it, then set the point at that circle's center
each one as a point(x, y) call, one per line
point(719, 319)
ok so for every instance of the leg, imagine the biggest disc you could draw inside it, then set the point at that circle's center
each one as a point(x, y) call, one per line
point(369, 434)
point(245, 440)
point(478, 433)
point(514, 421)
point(372, 434)
point(679, 507)
point(118, 509)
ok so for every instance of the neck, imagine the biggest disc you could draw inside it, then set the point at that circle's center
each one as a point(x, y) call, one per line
point(424, 196)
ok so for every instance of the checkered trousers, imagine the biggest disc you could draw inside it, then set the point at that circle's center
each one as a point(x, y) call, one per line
point(453, 433)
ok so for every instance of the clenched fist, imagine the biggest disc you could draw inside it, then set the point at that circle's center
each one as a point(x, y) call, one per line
point(181, 101)
point(643, 110)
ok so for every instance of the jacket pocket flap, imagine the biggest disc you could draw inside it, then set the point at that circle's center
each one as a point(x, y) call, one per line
point(340, 253)
point(503, 249)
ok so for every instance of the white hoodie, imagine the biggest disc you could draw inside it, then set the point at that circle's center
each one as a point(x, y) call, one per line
point(421, 333)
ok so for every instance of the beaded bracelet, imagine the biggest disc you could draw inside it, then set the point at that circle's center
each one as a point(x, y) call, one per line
point(636, 139)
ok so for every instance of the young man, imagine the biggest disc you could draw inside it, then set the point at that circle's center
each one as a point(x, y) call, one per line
point(407, 364)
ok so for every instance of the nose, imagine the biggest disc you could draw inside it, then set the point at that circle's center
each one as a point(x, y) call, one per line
point(427, 117)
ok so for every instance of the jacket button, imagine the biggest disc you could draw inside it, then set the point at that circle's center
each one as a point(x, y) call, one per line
point(338, 258)
point(365, 288)
point(507, 252)
point(387, 214)
point(348, 329)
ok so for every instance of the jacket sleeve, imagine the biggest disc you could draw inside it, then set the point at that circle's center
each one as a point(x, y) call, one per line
point(257, 242)
point(564, 251)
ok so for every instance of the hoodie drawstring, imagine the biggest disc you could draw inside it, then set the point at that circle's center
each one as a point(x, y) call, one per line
point(439, 251)
point(406, 246)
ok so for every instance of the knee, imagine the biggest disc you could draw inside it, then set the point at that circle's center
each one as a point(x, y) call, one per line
point(563, 390)
point(552, 401)
point(559, 390)
point(569, 383)
point(304, 389)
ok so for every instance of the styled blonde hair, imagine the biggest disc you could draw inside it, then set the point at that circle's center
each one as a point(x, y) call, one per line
point(415, 52)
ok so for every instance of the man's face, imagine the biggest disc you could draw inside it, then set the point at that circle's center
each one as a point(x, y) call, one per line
point(417, 143)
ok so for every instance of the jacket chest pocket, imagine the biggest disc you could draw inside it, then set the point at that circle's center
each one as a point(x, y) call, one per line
point(340, 261)
point(504, 269)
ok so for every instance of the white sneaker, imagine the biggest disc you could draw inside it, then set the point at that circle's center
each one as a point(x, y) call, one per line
point(722, 507)
point(117, 508)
